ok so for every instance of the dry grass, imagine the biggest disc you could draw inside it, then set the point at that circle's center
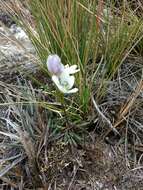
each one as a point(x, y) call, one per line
point(35, 155)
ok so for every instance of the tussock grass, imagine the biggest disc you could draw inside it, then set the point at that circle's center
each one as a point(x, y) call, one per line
point(98, 42)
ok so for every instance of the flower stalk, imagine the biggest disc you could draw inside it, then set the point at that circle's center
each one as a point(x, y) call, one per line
point(63, 78)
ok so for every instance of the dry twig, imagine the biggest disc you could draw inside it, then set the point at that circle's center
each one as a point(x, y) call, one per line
point(105, 119)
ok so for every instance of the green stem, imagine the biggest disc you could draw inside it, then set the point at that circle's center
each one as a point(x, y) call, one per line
point(64, 110)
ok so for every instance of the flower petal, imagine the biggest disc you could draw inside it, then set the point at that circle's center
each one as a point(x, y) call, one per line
point(61, 88)
point(54, 64)
point(74, 90)
point(57, 82)
point(72, 69)
point(70, 80)
point(66, 80)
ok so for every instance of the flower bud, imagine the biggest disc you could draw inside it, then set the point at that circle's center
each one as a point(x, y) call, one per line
point(54, 64)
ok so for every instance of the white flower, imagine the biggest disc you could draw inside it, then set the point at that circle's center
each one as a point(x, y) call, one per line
point(61, 75)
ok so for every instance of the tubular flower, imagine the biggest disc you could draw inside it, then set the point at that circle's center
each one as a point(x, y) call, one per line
point(62, 75)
